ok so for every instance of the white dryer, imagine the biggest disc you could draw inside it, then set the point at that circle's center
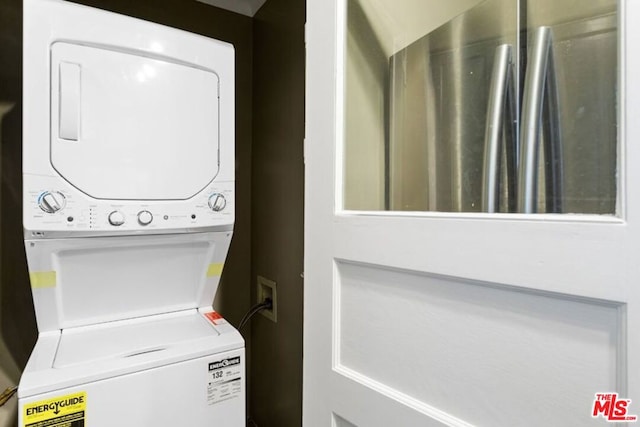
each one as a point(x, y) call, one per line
point(128, 186)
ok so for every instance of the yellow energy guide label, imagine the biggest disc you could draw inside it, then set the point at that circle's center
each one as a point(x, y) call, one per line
point(61, 411)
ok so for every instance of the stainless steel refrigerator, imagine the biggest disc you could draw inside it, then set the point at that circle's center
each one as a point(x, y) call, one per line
point(509, 107)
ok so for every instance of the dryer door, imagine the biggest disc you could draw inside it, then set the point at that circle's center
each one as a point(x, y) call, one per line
point(131, 127)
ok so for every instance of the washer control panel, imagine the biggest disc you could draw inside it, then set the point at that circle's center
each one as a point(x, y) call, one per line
point(51, 205)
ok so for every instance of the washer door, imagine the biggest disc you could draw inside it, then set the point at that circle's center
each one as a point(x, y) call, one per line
point(130, 127)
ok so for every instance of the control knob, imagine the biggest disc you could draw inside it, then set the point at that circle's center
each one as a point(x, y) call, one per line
point(51, 201)
point(217, 202)
point(145, 217)
point(116, 218)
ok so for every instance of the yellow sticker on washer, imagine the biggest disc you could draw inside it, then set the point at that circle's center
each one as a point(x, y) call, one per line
point(43, 279)
point(215, 270)
point(61, 411)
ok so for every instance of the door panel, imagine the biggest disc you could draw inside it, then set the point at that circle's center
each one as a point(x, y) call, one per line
point(468, 318)
point(98, 146)
point(465, 338)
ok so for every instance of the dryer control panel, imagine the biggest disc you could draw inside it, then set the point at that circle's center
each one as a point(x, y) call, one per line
point(52, 205)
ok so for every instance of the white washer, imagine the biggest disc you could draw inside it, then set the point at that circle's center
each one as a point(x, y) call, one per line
point(128, 177)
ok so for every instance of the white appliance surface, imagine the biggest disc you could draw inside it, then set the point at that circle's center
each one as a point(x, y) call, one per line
point(77, 356)
point(85, 281)
point(186, 393)
point(132, 124)
point(133, 338)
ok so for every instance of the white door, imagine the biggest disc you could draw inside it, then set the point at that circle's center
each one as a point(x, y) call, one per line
point(458, 318)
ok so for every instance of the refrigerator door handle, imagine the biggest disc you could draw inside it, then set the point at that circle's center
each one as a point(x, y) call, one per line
point(501, 126)
point(540, 95)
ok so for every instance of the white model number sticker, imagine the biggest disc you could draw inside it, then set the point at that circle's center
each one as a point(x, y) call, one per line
point(225, 380)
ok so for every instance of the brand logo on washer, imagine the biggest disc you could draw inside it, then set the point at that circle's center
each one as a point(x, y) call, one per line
point(224, 363)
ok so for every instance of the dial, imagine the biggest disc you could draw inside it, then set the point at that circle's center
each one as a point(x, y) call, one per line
point(51, 201)
point(217, 202)
point(116, 218)
point(145, 217)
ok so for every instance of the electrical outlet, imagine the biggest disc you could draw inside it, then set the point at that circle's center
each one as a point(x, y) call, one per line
point(267, 289)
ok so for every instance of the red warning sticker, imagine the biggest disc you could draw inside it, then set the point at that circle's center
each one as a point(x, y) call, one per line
point(215, 318)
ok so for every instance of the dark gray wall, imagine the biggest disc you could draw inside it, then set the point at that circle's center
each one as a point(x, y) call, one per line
point(16, 307)
point(233, 299)
point(277, 209)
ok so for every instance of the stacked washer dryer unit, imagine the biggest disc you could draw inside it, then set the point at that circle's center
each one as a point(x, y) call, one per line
point(128, 214)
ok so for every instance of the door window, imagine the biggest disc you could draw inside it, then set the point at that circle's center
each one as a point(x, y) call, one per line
point(496, 106)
